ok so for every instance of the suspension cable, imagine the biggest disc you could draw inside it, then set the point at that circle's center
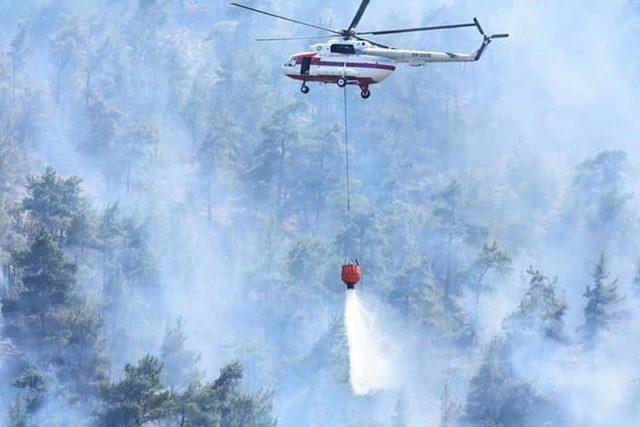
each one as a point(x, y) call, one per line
point(346, 150)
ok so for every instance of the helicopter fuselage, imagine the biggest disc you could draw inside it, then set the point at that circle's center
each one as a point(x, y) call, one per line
point(353, 69)
point(349, 62)
point(340, 61)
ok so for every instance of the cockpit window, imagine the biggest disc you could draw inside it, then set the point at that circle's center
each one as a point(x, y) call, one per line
point(347, 49)
point(292, 62)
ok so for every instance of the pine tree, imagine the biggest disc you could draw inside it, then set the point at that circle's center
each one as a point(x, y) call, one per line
point(47, 283)
point(497, 397)
point(599, 195)
point(541, 309)
point(43, 310)
point(181, 364)
point(195, 407)
point(316, 175)
point(490, 258)
point(422, 299)
point(268, 174)
point(138, 398)
point(54, 202)
point(604, 303)
point(126, 254)
point(445, 210)
point(237, 409)
point(223, 404)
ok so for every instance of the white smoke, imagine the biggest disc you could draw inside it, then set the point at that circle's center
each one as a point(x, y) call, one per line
point(371, 350)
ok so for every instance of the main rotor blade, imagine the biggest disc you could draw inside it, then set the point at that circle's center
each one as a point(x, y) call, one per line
point(277, 39)
point(412, 30)
point(477, 24)
point(359, 13)
point(295, 21)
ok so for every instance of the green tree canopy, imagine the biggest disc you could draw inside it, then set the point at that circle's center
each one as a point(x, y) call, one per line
point(55, 202)
point(46, 282)
point(541, 310)
point(604, 304)
point(139, 398)
point(180, 363)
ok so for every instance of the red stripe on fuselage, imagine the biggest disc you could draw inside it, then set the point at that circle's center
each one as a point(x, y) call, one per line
point(316, 60)
point(356, 65)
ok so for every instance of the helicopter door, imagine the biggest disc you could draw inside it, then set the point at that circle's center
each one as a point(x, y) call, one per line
point(306, 64)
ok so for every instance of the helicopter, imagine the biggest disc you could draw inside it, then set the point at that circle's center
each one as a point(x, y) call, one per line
point(348, 58)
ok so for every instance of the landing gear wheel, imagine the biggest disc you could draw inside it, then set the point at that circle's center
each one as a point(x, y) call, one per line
point(342, 82)
point(366, 93)
point(304, 89)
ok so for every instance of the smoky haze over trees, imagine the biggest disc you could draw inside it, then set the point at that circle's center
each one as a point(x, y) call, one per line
point(173, 218)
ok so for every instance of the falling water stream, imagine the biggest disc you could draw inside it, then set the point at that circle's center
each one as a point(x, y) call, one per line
point(370, 352)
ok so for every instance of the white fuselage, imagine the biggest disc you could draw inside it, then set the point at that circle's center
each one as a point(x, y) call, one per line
point(358, 62)
point(363, 70)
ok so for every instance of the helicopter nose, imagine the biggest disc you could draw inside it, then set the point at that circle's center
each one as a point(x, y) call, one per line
point(288, 67)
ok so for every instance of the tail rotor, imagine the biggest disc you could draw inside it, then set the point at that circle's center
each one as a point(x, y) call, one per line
point(486, 39)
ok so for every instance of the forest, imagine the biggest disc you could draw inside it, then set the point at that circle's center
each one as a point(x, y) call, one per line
point(173, 218)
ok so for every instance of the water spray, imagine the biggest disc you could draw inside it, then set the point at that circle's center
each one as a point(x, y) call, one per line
point(370, 367)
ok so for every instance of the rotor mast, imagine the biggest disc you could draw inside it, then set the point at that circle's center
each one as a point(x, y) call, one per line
point(351, 31)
